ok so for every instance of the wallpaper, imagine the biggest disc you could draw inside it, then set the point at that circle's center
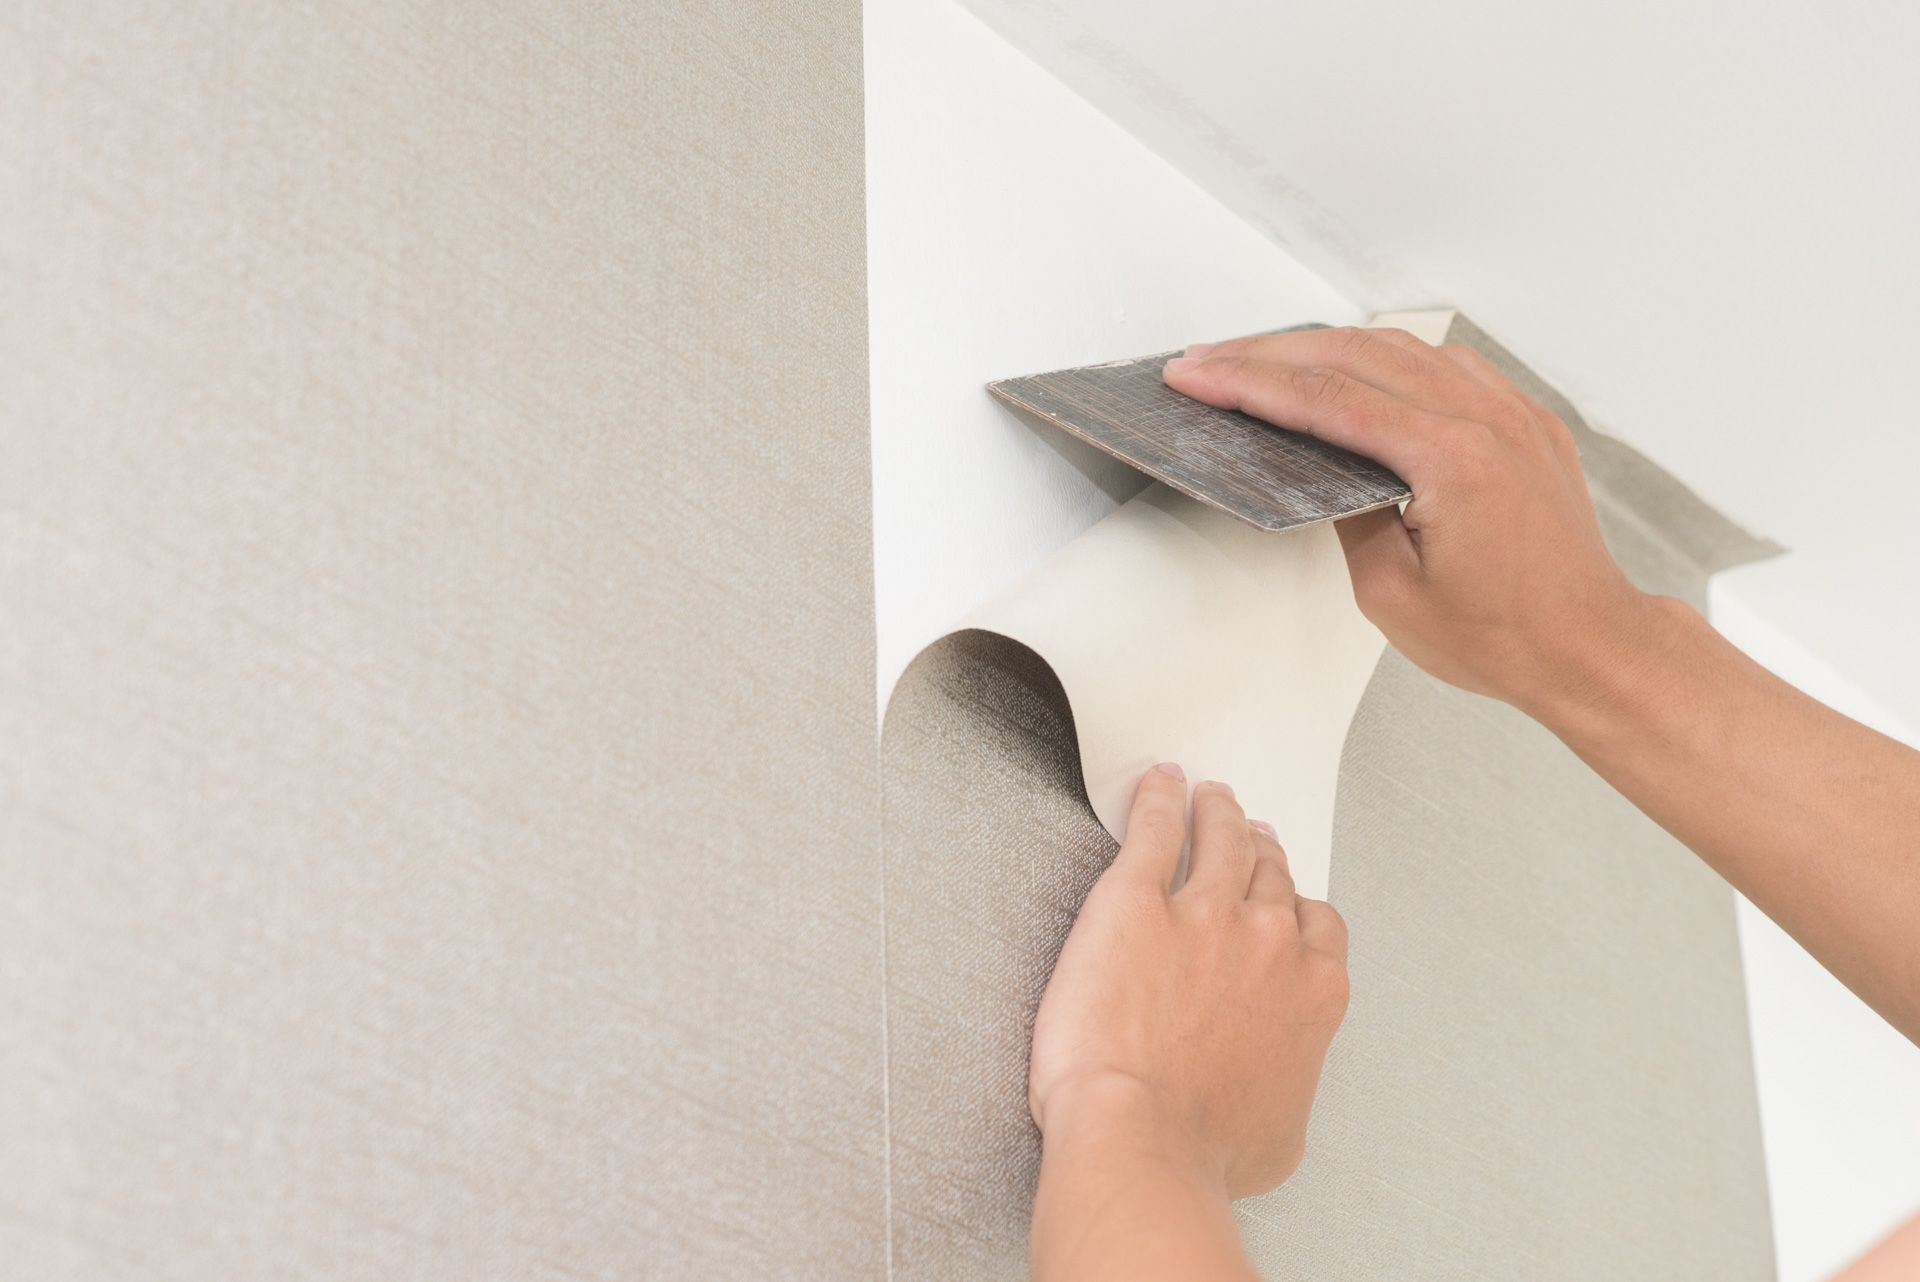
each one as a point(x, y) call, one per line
point(442, 829)
point(437, 819)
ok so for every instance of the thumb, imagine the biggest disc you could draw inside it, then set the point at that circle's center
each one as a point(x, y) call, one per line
point(1381, 558)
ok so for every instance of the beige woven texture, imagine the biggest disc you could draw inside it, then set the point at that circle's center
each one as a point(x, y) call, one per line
point(1546, 1073)
point(437, 820)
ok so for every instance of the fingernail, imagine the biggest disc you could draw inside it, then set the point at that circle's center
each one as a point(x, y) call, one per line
point(1197, 350)
point(1168, 768)
point(1180, 365)
point(1263, 826)
point(1215, 783)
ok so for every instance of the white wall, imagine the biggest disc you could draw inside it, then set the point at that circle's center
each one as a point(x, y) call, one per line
point(1014, 228)
point(1695, 216)
point(1839, 1088)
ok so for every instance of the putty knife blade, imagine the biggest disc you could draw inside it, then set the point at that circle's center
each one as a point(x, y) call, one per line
point(1266, 476)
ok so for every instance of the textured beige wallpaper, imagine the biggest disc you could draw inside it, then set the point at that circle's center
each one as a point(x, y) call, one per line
point(1525, 1090)
point(440, 826)
point(437, 819)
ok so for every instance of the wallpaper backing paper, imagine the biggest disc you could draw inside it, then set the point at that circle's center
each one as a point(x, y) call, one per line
point(1181, 633)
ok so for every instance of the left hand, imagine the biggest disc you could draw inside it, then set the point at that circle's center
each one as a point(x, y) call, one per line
point(1203, 1014)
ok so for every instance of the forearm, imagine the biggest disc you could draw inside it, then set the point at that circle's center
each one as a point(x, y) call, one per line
point(1812, 816)
point(1896, 1258)
point(1124, 1196)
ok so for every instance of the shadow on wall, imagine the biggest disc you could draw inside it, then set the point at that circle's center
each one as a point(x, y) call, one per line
point(1109, 475)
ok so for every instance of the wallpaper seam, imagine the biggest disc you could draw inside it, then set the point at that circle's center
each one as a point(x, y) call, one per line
point(886, 1021)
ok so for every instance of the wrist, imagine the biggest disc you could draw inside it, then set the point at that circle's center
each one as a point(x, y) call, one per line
point(1625, 669)
point(1125, 1120)
point(1127, 1189)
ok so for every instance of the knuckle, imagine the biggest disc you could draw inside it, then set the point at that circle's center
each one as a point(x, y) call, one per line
point(1353, 342)
point(1322, 387)
point(1214, 912)
point(1215, 801)
point(1513, 419)
point(1469, 445)
point(1154, 826)
point(1272, 917)
point(1332, 989)
point(1233, 366)
point(1560, 433)
point(1228, 806)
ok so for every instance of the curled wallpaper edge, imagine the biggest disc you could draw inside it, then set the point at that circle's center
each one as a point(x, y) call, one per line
point(1181, 634)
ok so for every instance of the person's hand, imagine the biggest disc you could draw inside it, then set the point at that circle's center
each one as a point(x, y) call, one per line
point(1495, 577)
point(1203, 1015)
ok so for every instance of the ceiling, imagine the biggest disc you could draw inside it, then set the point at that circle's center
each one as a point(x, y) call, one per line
point(1698, 218)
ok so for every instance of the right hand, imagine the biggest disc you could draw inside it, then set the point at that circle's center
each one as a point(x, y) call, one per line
point(1495, 578)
